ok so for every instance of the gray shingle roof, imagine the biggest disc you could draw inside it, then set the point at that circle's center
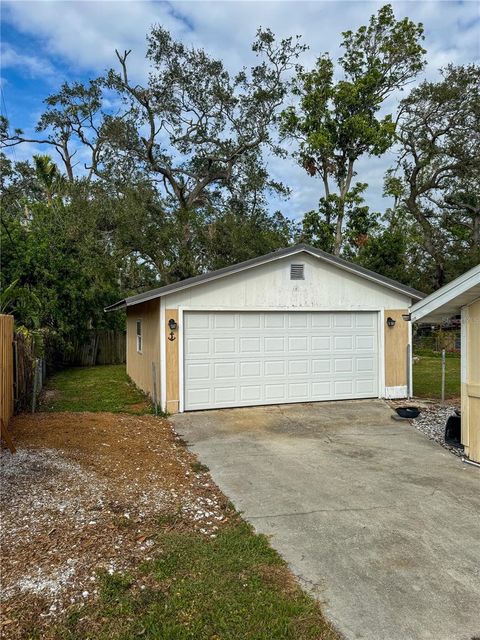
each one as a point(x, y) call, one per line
point(275, 255)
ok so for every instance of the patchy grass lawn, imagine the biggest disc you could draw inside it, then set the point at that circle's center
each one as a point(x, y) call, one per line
point(233, 587)
point(101, 388)
point(427, 376)
point(113, 530)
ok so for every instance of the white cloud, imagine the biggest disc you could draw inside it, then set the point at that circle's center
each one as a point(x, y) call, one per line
point(28, 65)
point(84, 36)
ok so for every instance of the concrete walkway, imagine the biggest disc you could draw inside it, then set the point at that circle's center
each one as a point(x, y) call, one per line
point(379, 523)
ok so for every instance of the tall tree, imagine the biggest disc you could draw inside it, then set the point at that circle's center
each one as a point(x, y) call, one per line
point(438, 169)
point(194, 131)
point(337, 122)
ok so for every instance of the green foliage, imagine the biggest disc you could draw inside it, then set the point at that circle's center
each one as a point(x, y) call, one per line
point(318, 227)
point(437, 179)
point(336, 123)
point(386, 252)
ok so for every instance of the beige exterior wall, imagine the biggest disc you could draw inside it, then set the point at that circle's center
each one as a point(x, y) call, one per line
point(139, 365)
point(172, 363)
point(396, 341)
point(471, 383)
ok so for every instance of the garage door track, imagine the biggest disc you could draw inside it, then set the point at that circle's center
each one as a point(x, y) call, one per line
point(380, 523)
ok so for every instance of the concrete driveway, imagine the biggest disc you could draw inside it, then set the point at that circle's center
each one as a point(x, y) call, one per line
point(379, 523)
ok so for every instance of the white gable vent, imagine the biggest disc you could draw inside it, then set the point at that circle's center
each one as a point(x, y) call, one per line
point(297, 272)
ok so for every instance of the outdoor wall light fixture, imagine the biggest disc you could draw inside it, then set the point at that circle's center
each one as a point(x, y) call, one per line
point(172, 325)
point(390, 322)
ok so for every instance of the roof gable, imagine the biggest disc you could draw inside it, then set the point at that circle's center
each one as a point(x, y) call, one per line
point(270, 257)
point(448, 300)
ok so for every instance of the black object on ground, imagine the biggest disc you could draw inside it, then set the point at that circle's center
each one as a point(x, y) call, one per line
point(408, 412)
point(453, 431)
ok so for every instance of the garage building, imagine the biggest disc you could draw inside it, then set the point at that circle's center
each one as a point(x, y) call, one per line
point(295, 325)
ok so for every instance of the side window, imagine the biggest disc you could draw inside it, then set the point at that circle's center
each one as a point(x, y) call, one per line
point(139, 336)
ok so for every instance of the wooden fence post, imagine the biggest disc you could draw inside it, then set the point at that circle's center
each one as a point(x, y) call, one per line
point(6, 377)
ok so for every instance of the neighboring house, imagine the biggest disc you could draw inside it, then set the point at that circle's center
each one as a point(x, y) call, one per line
point(295, 325)
point(461, 296)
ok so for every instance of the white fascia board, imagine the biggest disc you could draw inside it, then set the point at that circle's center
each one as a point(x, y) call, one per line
point(445, 295)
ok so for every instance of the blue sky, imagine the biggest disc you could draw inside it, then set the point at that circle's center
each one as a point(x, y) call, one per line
point(46, 42)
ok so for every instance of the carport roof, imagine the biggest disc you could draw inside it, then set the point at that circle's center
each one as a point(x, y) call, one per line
point(269, 257)
point(447, 301)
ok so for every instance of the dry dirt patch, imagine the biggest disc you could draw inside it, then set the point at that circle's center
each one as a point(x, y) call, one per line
point(84, 493)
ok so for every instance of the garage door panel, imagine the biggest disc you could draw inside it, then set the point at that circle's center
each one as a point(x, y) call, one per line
point(250, 369)
point(294, 357)
point(274, 320)
point(343, 321)
point(275, 367)
point(297, 320)
point(343, 343)
point(298, 367)
point(298, 392)
point(251, 393)
point(365, 365)
point(343, 365)
point(250, 321)
point(365, 386)
point(198, 371)
point(321, 390)
point(321, 343)
point(224, 321)
point(365, 343)
point(298, 343)
point(201, 397)
point(222, 370)
point(274, 344)
point(365, 320)
point(198, 345)
point(224, 395)
point(321, 366)
point(196, 321)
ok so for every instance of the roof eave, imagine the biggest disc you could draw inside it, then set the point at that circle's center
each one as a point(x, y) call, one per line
point(121, 304)
point(430, 308)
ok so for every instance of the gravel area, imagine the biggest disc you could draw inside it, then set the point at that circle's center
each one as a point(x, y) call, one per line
point(432, 421)
point(85, 493)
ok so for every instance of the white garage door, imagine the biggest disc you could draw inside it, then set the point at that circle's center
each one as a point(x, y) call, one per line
point(250, 358)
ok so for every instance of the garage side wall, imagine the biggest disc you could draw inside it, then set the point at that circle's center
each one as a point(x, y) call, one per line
point(396, 355)
point(139, 365)
point(471, 383)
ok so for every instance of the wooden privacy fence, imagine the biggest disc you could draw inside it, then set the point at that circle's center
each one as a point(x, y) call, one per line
point(6, 378)
point(6, 371)
point(99, 347)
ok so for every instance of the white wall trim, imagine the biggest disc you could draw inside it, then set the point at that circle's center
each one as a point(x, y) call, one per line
point(163, 360)
point(381, 353)
point(464, 315)
point(396, 392)
point(464, 322)
point(410, 361)
point(181, 362)
point(278, 308)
